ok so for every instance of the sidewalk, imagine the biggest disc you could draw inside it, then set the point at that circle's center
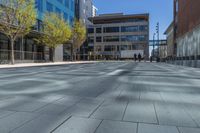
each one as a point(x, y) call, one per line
point(43, 64)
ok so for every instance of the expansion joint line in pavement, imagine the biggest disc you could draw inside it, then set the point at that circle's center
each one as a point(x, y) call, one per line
point(137, 128)
point(156, 113)
point(98, 126)
point(25, 122)
point(47, 104)
point(178, 129)
point(60, 124)
point(96, 109)
point(125, 111)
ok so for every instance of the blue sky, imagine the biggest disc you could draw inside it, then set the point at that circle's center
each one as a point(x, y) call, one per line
point(160, 10)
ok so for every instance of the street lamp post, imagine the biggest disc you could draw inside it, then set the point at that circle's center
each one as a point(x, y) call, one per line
point(158, 34)
point(154, 43)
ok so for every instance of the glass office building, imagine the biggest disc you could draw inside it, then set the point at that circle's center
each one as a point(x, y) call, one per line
point(118, 36)
point(26, 50)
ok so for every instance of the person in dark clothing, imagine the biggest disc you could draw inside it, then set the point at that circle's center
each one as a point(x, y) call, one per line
point(135, 57)
point(151, 59)
point(139, 57)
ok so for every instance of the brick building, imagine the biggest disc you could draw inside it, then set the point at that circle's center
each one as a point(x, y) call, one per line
point(187, 28)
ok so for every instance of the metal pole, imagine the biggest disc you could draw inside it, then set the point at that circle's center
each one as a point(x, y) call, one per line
point(158, 34)
point(153, 44)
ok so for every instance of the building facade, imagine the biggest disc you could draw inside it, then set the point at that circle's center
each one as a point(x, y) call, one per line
point(118, 36)
point(84, 10)
point(171, 51)
point(26, 49)
point(187, 28)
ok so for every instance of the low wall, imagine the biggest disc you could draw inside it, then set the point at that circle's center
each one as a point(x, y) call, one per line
point(21, 61)
point(188, 63)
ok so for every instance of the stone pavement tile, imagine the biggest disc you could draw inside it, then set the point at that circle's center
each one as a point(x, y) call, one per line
point(174, 115)
point(129, 94)
point(190, 98)
point(150, 96)
point(21, 103)
point(17, 102)
point(50, 98)
point(113, 93)
point(78, 125)
point(4, 113)
point(149, 128)
point(194, 111)
point(172, 97)
point(28, 106)
point(52, 108)
point(140, 111)
point(116, 127)
point(189, 130)
point(42, 124)
point(110, 110)
point(15, 120)
point(83, 108)
point(68, 100)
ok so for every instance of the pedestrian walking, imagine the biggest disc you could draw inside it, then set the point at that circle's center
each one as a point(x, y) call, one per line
point(135, 57)
point(151, 59)
point(139, 57)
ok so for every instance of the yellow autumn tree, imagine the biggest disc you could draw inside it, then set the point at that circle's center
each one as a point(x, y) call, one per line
point(55, 32)
point(17, 17)
point(78, 36)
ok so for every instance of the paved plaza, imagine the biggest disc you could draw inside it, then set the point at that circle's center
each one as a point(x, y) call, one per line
point(104, 97)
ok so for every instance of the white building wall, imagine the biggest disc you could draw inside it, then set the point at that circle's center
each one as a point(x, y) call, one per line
point(85, 10)
point(59, 53)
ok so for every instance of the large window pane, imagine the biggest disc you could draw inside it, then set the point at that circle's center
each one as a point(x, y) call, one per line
point(90, 30)
point(111, 29)
point(98, 39)
point(111, 39)
point(129, 28)
point(49, 7)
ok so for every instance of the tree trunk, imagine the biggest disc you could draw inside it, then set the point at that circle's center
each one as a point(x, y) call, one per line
point(53, 54)
point(12, 52)
point(72, 52)
point(74, 56)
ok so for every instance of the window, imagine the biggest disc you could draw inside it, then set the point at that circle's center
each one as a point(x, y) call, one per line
point(109, 48)
point(90, 30)
point(39, 5)
point(141, 38)
point(58, 11)
point(143, 28)
point(111, 38)
point(91, 39)
point(65, 16)
point(72, 5)
point(71, 20)
point(177, 6)
point(129, 28)
point(61, 1)
point(111, 29)
point(132, 38)
point(98, 30)
point(98, 39)
point(66, 3)
point(129, 38)
point(49, 7)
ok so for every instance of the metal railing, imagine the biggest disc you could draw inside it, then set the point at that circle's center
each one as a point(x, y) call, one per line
point(21, 55)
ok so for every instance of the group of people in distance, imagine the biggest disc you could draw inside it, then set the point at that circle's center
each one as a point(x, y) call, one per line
point(139, 57)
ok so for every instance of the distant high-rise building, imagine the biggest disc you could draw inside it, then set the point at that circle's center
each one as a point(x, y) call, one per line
point(84, 10)
point(94, 11)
